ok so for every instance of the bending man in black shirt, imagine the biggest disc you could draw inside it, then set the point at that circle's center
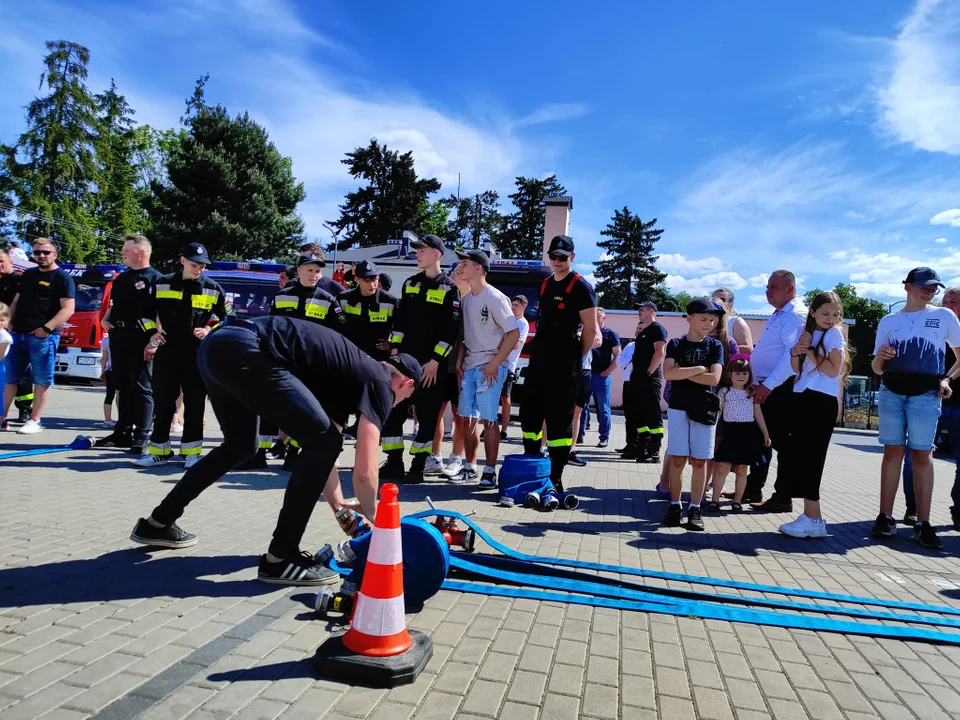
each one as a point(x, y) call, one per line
point(306, 378)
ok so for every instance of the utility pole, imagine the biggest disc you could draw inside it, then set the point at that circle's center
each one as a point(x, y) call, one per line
point(336, 234)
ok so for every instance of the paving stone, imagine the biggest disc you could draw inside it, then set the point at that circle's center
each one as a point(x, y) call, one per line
point(484, 698)
point(600, 701)
point(566, 680)
point(439, 706)
point(527, 687)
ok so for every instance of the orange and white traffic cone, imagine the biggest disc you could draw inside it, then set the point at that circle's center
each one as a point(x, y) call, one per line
point(378, 650)
point(378, 626)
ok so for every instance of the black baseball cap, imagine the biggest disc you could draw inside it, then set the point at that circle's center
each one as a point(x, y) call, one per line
point(646, 304)
point(408, 366)
point(478, 256)
point(431, 241)
point(562, 245)
point(704, 306)
point(386, 282)
point(311, 258)
point(195, 252)
point(366, 269)
point(923, 276)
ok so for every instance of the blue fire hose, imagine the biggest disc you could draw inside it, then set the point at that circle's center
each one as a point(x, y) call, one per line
point(569, 581)
point(81, 442)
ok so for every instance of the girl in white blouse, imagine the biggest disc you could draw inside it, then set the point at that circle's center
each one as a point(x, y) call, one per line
point(822, 363)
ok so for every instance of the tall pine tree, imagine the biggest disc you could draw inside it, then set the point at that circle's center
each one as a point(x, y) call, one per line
point(51, 173)
point(630, 273)
point(118, 209)
point(228, 188)
point(393, 199)
point(523, 232)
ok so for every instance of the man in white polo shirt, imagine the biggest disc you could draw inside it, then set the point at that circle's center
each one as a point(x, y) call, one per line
point(774, 376)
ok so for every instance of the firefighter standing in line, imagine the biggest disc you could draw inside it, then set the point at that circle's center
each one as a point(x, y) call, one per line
point(426, 326)
point(556, 354)
point(185, 302)
point(9, 282)
point(131, 322)
point(369, 312)
point(305, 299)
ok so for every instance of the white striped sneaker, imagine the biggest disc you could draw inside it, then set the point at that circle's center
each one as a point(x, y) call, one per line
point(299, 569)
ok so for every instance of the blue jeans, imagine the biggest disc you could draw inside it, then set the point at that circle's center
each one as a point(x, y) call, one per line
point(949, 421)
point(600, 389)
point(30, 353)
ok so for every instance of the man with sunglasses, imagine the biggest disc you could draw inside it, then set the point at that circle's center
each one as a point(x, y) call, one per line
point(45, 300)
point(910, 356)
point(567, 301)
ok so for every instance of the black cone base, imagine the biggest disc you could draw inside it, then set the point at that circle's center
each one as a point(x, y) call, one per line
point(334, 660)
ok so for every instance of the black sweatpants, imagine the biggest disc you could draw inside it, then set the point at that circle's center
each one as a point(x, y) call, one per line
point(132, 376)
point(244, 384)
point(175, 369)
point(777, 412)
point(647, 416)
point(427, 401)
point(550, 394)
point(814, 417)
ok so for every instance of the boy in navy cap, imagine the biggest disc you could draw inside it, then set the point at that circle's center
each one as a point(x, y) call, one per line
point(694, 364)
point(910, 357)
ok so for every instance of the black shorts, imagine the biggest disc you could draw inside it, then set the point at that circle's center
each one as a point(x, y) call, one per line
point(453, 389)
point(508, 385)
point(582, 388)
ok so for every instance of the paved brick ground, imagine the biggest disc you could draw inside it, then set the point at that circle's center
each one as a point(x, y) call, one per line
point(91, 625)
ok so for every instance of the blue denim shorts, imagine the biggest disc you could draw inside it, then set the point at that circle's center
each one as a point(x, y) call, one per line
point(686, 438)
point(909, 420)
point(477, 399)
point(39, 354)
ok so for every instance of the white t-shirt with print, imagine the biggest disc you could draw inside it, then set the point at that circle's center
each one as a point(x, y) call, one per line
point(920, 339)
point(514, 357)
point(812, 378)
point(487, 317)
point(6, 340)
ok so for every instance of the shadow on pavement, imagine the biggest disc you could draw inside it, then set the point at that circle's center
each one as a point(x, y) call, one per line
point(287, 670)
point(128, 574)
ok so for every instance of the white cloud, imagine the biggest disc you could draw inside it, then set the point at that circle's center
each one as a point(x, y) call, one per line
point(760, 300)
point(942, 241)
point(553, 113)
point(758, 280)
point(682, 264)
point(921, 102)
point(838, 255)
point(705, 284)
point(947, 217)
point(584, 267)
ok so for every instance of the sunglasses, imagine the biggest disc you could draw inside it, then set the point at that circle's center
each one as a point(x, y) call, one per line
point(43, 252)
point(558, 257)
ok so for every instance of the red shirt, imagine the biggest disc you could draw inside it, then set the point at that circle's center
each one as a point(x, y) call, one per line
point(338, 277)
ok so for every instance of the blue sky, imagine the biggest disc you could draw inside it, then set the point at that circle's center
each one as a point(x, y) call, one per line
point(819, 136)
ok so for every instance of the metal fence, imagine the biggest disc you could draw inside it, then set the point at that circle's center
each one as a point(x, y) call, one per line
point(860, 403)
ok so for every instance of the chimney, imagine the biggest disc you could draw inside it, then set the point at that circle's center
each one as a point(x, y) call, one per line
point(557, 220)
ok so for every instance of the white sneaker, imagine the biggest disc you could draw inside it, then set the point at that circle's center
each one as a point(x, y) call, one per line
point(30, 427)
point(467, 474)
point(433, 466)
point(804, 527)
point(176, 429)
point(109, 423)
point(148, 460)
point(453, 466)
point(190, 460)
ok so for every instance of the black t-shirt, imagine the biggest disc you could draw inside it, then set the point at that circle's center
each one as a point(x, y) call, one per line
point(559, 317)
point(686, 353)
point(644, 349)
point(8, 287)
point(331, 286)
point(40, 296)
point(341, 376)
point(132, 295)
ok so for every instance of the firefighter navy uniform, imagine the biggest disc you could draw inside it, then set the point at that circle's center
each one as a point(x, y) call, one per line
point(317, 305)
point(182, 307)
point(369, 318)
point(426, 326)
point(551, 381)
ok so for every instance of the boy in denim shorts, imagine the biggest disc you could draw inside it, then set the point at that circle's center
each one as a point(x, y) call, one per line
point(910, 357)
point(694, 364)
point(490, 332)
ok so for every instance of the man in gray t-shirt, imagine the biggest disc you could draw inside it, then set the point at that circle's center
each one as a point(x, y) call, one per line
point(490, 332)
